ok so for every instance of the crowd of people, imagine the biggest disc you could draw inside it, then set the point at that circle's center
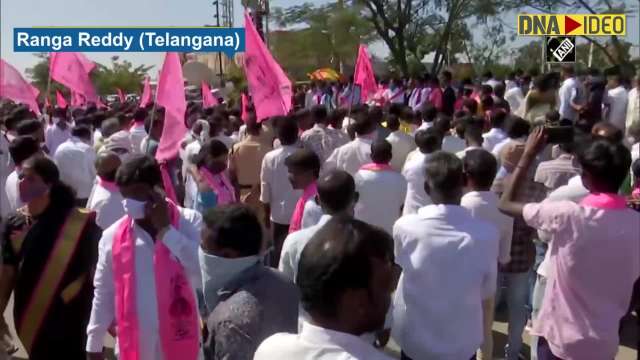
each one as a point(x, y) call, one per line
point(324, 233)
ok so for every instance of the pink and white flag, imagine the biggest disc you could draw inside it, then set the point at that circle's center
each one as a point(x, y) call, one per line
point(145, 98)
point(13, 86)
point(363, 75)
point(207, 98)
point(269, 86)
point(61, 102)
point(77, 100)
point(72, 70)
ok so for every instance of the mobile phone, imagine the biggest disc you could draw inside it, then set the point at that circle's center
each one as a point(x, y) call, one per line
point(559, 134)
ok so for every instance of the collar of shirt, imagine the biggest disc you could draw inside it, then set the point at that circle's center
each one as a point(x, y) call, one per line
point(241, 279)
point(330, 338)
point(319, 126)
point(487, 196)
point(442, 210)
point(367, 139)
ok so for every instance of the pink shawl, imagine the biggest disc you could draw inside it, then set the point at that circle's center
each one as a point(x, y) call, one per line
point(605, 201)
point(177, 309)
point(221, 185)
point(296, 219)
point(108, 185)
point(376, 167)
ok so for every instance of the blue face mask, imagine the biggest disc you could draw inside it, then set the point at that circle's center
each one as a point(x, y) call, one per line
point(218, 271)
point(134, 208)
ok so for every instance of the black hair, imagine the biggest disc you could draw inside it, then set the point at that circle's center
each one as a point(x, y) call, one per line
point(395, 109)
point(235, 227)
point(473, 133)
point(22, 148)
point(338, 258)
point(61, 196)
point(428, 140)
point(447, 75)
point(444, 173)
point(28, 127)
point(499, 89)
point(613, 133)
point(429, 113)
point(517, 127)
point(362, 124)
point(497, 119)
point(287, 130)
point(381, 152)
point(319, 114)
point(140, 114)
point(212, 148)
point(139, 169)
point(481, 167)
point(608, 164)
point(376, 114)
point(336, 190)
point(470, 104)
point(443, 125)
point(487, 74)
point(393, 123)
point(304, 159)
point(568, 69)
point(81, 131)
point(635, 168)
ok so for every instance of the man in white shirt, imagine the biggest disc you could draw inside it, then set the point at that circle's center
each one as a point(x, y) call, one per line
point(617, 98)
point(59, 132)
point(21, 148)
point(445, 252)
point(6, 167)
point(489, 79)
point(337, 196)
point(429, 116)
point(428, 142)
point(401, 143)
point(472, 137)
point(276, 193)
point(75, 159)
point(633, 105)
point(139, 182)
point(319, 139)
point(345, 280)
point(377, 183)
point(451, 142)
point(480, 169)
point(105, 198)
point(569, 93)
point(350, 157)
point(515, 95)
point(137, 131)
point(35, 129)
point(497, 134)
point(415, 96)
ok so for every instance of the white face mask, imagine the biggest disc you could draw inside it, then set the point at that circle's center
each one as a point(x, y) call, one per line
point(134, 208)
point(218, 271)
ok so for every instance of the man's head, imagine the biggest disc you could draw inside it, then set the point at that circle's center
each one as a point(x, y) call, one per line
point(213, 156)
point(517, 127)
point(381, 152)
point(567, 71)
point(498, 119)
point(429, 140)
point(337, 193)
point(487, 75)
point(429, 113)
point(346, 276)
point(480, 168)
point(138, 179)
point(303, 167)
point(470, 105)
point(498, 90)
point(444, 178)
point(22, 148)
point(445, 77)
point(363, 125)
point(107, 164)
point(473, 135)
point(287, 130)
point(393, 123)
point(82, 132)
point(319, 114)
point(605, 165)
point(607, 131)
point(231, 232)
point(32, 128)
point(613, 81)
point(109, 127)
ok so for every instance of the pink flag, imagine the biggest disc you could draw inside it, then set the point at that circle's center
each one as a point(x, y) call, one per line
point(70, 69)
point(13, 86)
point(146, 93)
point(207, 98)
point(121, 96)
point(60, 100)
point(363, 75)
point(244, 103)
point(77, 100)
point(87, 64)
point(269, 86)
point(47, 103)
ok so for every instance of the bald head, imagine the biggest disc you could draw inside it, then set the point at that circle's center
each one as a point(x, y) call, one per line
point(337, 192)
point(107, 164)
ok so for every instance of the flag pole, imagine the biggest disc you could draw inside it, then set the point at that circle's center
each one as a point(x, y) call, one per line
point(153, 115)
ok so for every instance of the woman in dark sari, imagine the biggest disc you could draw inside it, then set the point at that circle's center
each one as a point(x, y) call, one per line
point(49, 254)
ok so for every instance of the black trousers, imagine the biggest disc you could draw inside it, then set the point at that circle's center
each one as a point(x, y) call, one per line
point(278, 233)
point(404, 356)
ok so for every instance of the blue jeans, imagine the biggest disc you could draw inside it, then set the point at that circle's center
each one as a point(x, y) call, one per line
point(517, 291)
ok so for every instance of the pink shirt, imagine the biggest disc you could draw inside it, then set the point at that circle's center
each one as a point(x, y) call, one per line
point(593, 264)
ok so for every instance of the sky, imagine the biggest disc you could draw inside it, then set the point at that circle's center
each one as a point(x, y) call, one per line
point(27, 13)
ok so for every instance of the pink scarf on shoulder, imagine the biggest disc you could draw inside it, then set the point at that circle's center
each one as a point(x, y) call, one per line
point(376, 167)
point(296, 219)
point(108, 185)
point(221, 185)
point(605, 201)
point(177, 309)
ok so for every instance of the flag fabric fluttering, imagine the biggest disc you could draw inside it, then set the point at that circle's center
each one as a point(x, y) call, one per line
point(208, 100)
point(77, 100)
point(13, 86)
point(170, 95)
point(61, 102)
point(244, 107)
point(121, 96)
point(269, 86)
point(72, 70)
point(145, 98)
point(363, 75)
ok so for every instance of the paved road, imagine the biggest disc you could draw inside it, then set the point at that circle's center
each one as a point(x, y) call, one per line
point(626, 351)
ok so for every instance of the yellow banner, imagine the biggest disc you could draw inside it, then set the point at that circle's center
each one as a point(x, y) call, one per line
point(572, 24)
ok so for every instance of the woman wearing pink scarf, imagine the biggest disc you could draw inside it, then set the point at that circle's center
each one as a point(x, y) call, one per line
point(214, 186)
point(304, 170)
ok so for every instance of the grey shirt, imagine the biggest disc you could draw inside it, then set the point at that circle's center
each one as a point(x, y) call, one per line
point(255, 305)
